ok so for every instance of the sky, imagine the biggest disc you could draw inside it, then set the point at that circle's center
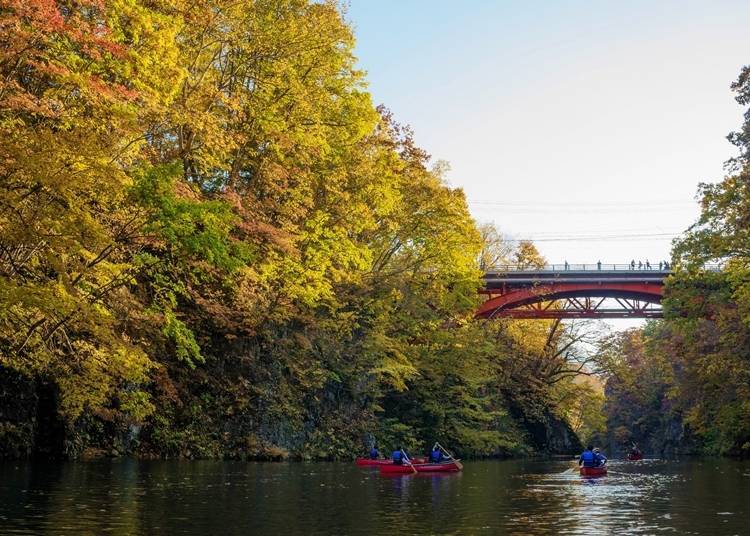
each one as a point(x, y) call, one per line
point(585, 126)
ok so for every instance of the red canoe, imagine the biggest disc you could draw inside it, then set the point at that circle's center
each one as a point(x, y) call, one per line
point(635, 457)
point(452, 466)
point(593, 471)
point(367, 462)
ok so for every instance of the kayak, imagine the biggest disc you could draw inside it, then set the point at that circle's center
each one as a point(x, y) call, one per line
point(452, 466)
point(593, 471)
point(635, 457)
point(367, 462)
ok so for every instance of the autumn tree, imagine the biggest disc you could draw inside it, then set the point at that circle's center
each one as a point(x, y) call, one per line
point(78, 82)
point(207, 229)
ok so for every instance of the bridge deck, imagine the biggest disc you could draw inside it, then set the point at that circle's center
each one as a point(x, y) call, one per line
point(517, 279)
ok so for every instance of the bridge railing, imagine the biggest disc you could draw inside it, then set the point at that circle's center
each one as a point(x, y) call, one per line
point(595, 266)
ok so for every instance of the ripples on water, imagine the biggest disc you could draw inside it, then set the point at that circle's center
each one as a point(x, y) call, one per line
point(489, 497)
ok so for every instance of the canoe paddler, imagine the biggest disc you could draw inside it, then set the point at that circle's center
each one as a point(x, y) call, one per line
point(436, 455)
point(599, 458)
point(588, 458)
point(439, 454)
point(400, 457)
point(374, 453)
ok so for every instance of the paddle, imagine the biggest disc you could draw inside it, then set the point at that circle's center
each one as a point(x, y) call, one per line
point(443, 450)
point(408, 462)
point(454, 460)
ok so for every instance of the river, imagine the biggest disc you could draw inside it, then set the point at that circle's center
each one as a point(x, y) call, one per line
point(709, 497)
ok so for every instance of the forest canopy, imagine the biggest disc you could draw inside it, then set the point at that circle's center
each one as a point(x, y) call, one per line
point(683, 384)
point(212, 243)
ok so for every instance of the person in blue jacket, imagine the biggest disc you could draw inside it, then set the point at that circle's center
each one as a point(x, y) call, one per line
point(374, 453)
point(599, 458)
point(400, 457)
point(588, 458)
point(436, 456)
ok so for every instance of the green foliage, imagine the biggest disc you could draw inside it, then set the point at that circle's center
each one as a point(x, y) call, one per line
point(208, 232)
point(709, 324)
point(186, 348)
point(74, 103)
point(639, 405)
point(689, 383)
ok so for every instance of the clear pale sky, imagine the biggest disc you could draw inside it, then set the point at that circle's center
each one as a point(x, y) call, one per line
point(572, 123)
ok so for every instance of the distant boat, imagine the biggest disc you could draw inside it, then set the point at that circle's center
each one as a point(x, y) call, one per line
point(633, 456)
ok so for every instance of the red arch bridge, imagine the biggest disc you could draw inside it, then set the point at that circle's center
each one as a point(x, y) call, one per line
point(574, 291)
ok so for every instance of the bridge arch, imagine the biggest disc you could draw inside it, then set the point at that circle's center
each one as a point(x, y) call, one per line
point(582, 293)
point(582, 299)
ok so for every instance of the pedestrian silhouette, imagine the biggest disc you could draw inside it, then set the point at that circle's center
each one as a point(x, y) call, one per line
point(640, 265)
point(632, 265)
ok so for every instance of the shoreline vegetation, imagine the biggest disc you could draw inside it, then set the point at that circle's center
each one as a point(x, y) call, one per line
point(214, 245)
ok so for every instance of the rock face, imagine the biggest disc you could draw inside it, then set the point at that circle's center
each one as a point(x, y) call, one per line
point(551, 435)
point(669, 438)
point(29, 420)
point(18, 407)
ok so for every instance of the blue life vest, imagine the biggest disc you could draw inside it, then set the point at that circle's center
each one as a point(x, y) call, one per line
point(397, 457)
point(374, 454)
point(435, 456)
point(588, 457)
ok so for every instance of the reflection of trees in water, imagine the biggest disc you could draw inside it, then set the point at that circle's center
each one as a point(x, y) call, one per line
point(425, 500)
point(541, 502)
point(97, 495)
point(400, 485)
point(24, 494)
point(441, 488)
point(511, 497)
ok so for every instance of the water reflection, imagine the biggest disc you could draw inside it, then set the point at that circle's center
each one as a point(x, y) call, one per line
point(514, 497)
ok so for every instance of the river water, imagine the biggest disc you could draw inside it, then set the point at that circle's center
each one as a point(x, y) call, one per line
point(490, 497)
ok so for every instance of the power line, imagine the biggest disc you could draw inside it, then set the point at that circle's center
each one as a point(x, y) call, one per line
point(526, 208)
point(629, 231)
point(595, 238)
point(652, 202)
point(591, 209)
